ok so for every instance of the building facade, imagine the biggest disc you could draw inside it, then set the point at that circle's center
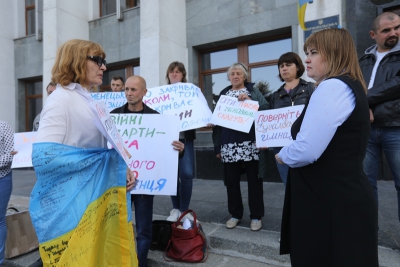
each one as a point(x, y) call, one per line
point(143, 37)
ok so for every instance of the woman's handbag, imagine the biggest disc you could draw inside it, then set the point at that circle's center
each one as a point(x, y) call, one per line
point(188, 245)
point(161, 234)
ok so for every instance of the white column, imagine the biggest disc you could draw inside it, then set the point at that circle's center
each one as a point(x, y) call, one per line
point(162, 38)
point(62, 21)
point(10, 15)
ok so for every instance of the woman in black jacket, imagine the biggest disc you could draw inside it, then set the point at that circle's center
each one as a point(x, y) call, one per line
point(295, 91)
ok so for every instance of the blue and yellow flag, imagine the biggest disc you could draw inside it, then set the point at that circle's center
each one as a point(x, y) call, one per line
point(301, 12)
point(79, 207)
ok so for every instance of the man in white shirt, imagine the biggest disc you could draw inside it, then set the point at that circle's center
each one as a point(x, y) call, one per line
point(49, 89)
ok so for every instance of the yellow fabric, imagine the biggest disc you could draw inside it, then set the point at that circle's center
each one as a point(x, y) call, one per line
point(103, 237)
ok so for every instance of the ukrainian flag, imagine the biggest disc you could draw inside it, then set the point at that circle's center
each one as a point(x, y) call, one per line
point(79, 207)
point(301, 12)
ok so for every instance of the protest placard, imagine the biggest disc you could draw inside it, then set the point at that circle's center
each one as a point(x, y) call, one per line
point(184, 100)
point(273, 126)
point(154, 162)
point(112, 100)
point(108, 129)
point(234, 114)
point(23, 144)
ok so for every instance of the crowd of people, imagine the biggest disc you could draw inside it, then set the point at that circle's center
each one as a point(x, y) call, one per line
point(329, 171)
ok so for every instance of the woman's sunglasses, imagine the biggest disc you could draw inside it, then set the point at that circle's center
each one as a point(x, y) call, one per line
point(99, 60)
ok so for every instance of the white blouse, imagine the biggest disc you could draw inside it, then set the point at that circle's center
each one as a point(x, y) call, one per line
point(330, 105)
point(68, 118)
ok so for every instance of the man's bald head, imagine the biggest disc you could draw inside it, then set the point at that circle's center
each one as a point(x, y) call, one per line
point(137, 79)
point(135, 90)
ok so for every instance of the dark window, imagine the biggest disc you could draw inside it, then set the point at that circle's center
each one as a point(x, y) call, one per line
point(33, 102)
point(124, 71)
point(261, 57)
point(108, 7)
point(30, 16)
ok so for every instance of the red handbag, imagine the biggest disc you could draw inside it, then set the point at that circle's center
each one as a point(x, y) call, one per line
point(187, 245)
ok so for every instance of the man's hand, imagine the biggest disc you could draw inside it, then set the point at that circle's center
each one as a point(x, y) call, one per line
point(371, 116)
point(178, 146)
point(278, 159)
point(14, 152)
point(218, 156)
point(130, 180)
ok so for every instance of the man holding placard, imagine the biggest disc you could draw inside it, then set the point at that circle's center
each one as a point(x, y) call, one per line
point(135, 90)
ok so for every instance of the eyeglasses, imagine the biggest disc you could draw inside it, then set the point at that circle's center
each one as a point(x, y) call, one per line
point(99, 60)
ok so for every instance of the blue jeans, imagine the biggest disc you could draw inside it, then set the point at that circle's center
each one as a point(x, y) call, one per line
point(386, 139)
point(283, 169)
point(144, 217)
point(5, 193)
point(185, 180)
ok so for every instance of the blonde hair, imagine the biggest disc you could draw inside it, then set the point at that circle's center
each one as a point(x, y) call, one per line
point(70, 63)
point(336, 46)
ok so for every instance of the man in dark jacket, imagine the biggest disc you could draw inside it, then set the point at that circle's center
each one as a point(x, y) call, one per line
point(381, 69)
point(135, 90)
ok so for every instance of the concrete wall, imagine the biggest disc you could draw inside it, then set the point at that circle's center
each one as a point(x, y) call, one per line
point(9, 15)
point(120, 40)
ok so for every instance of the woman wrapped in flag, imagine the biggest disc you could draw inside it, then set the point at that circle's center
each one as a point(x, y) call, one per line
point(79, 203)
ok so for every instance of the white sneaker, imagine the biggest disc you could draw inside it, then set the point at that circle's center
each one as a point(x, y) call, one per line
point(231, 223)
point(174, 215)
point(255, 225)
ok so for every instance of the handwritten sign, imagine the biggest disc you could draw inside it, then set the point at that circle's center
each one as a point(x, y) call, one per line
point(112, 100)
point(234, 114)
point(184, 100)
point(23, 144)
point(154, 162)
point(273, 126)
point(109, 130)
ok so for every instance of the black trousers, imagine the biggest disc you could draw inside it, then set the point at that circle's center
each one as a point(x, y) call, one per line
point(232, 172)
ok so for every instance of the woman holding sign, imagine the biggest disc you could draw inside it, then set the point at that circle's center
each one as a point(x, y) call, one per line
point(330, 214)
point(295, 91)
point(237, 149)
point(176, 73)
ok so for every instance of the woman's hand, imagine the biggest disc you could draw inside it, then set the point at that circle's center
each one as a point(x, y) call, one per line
point(14, 152)
point(178, 146)
point(278, 159)
point(371, 116)
point(130, 180)
point(243, 97)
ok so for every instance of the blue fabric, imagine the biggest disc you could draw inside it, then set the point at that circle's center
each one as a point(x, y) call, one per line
point(185, 181)
point(386, 139)
point(5, 193)
point(69, 179)
point(144, 217)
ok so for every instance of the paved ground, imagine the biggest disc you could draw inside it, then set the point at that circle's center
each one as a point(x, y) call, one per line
point(210, 203)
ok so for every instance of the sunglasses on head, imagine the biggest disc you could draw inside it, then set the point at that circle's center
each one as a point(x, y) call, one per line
point(99, 60)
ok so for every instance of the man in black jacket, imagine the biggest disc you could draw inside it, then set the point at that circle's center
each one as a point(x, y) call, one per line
point(135, 90)
point(381, 69)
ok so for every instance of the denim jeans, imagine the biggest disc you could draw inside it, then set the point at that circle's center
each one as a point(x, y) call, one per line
point(283, 169)
point(5, 193)
point(386, 139)
point(185, 180)
point(144, 217)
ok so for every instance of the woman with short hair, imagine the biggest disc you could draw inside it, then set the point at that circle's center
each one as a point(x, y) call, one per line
point(237, 150)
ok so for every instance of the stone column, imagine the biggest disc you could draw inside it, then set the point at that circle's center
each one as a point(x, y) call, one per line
point(62, 21)
point(162, 38)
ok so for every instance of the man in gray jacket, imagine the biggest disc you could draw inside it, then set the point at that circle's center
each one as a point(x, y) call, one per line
point(381, 69)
